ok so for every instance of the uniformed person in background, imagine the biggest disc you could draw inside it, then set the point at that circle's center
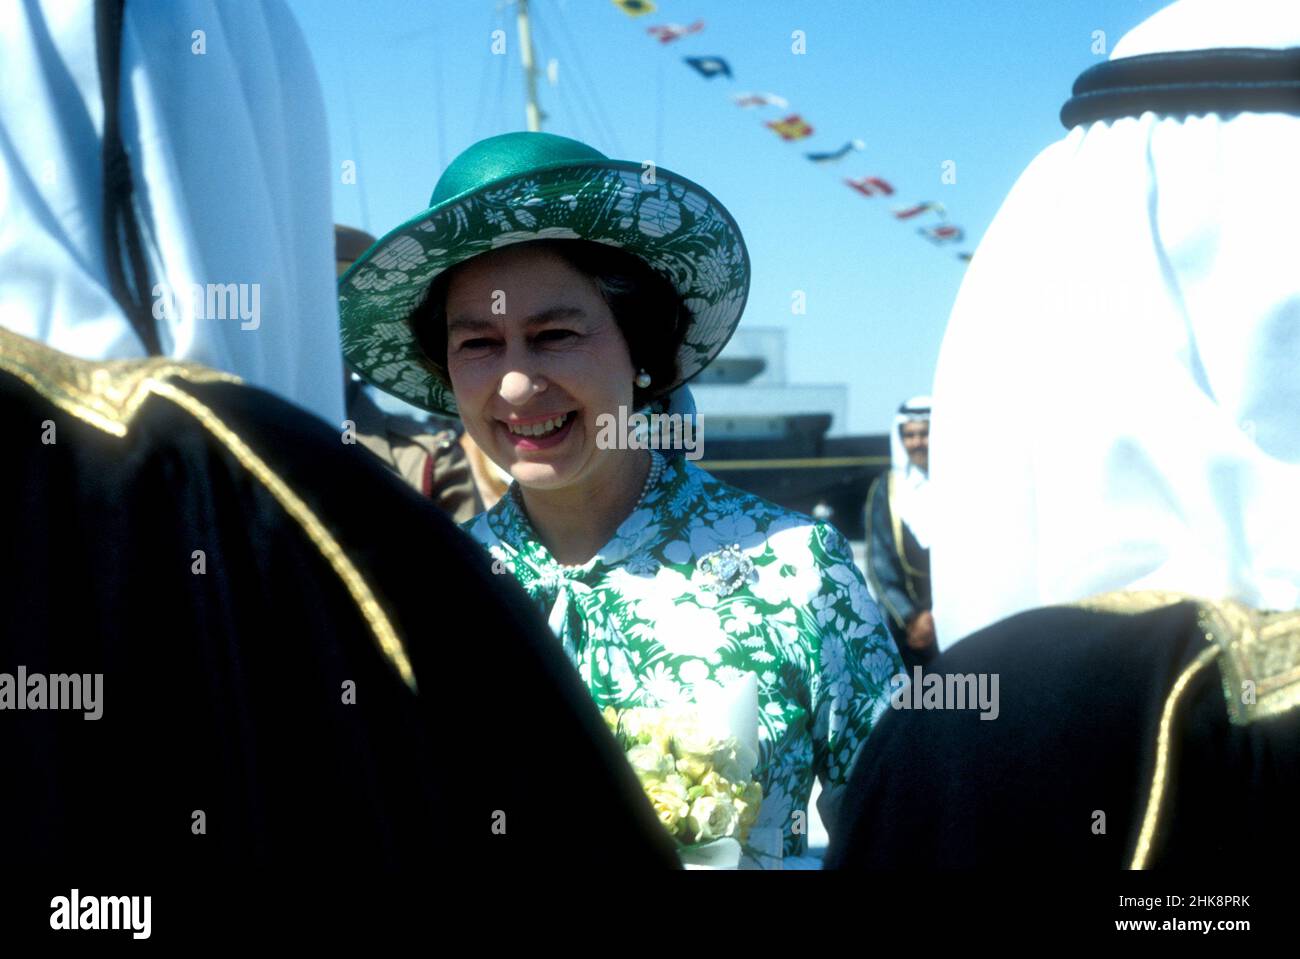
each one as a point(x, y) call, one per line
point(427, 454)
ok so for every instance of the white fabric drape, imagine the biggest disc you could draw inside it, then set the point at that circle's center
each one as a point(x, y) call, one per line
point(1118, 389)
point(231, 169)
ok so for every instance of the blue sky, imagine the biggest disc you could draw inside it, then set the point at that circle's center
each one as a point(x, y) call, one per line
point(408, 84)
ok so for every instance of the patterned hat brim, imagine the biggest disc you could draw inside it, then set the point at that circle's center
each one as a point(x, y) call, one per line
point(675, 225)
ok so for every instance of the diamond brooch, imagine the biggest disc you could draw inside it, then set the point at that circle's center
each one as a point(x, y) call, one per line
point(727, 569)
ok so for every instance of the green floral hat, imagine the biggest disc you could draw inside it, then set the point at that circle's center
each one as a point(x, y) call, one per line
point(519, 187)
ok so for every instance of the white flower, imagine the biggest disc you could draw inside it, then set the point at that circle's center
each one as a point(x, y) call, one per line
point(790, 539)
point(726, 675)
point(665, 584)
point(620, 673)
point(669, 802)
point(650, 763)
point(684, 629)
point(693, 671)
point(743, 618)
point(713, 817)
point(707, 599)
point(546, 233)
point(711, 275)
point(659, 218)
point(403, 253)
point(778, 586)
point(660, 685)
point(692, 737)
point(376, 279)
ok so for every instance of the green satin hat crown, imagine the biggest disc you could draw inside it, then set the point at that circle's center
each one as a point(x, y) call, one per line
point(519, 187)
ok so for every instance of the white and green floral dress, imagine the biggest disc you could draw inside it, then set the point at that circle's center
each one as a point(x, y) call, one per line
point(702, 583)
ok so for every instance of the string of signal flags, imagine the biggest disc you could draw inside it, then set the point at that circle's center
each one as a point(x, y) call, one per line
point(792, 128)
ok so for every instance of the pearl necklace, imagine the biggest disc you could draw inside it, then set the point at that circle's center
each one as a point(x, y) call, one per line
point(657, 466)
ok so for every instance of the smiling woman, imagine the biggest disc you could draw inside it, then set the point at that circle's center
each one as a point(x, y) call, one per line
point(649, 313)
point(545, 290)
point(542, 339)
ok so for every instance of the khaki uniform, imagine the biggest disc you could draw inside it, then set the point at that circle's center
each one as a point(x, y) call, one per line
point(425, 457)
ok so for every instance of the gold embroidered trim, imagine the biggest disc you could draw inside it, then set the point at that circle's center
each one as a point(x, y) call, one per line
point(1159, 780)
point(896, 521)
point(382, 628)
point(877, 590)
point(105, 394)
point(1133, 602)
point(1261, 661)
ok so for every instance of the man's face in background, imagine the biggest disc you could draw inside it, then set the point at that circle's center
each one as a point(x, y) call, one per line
point(916, 440)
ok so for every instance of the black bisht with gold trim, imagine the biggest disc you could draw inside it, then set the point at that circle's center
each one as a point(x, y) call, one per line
point(237, 574)
point(1136, 730)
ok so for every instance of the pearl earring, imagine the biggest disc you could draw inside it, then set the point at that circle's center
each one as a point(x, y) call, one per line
point(642, 379)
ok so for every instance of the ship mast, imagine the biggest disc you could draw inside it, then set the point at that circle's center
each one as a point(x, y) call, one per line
point(532, 110)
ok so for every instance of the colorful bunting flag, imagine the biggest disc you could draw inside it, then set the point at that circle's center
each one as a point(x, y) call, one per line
point(709, 67)
point(747, 100)
point(635, 8)
point(669, 32)
point(839, 154)
point(906, 213)
point(793, 127)
point(947, 233)
point(871, 186)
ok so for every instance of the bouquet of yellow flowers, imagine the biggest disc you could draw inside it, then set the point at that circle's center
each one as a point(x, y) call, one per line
point(697, 776)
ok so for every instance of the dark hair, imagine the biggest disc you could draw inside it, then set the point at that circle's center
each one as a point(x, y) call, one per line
point(649, 312)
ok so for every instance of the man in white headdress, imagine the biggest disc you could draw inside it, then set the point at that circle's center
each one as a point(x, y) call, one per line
point(898, 534)
point(193, 557)
point(1130, 572)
